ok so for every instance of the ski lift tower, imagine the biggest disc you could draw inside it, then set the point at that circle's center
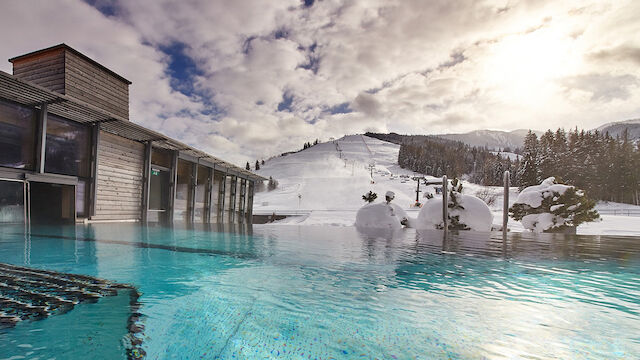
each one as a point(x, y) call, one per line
point(418, 191)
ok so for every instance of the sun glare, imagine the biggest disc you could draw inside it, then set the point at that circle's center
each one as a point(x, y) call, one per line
point(522, 67)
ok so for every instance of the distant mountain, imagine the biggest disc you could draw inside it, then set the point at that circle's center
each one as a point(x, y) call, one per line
point(617, 128)
point(492, 139)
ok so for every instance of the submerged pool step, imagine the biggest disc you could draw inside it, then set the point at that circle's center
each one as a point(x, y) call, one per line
point(27, 293)
point(33, 294)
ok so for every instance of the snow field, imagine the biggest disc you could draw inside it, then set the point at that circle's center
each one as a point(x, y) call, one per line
point(326, 182)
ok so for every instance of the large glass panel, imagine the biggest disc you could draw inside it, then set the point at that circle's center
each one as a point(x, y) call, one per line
point(217, 196)
point(17, 136)
point(183, 191)
point(11, 202)
point(201, 193)
point(81, 196)
point(159, 190)
point(68, 148)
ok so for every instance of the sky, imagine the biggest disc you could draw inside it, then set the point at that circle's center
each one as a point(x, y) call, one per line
point(248, 79)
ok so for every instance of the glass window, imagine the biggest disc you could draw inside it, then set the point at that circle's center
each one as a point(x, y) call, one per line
point(81, 195)
point(202, 192)
point(68, 148)
point(17, 136)
point(183, 191)
point(11, 202)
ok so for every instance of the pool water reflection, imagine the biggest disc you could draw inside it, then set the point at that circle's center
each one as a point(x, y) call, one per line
point(313, 292)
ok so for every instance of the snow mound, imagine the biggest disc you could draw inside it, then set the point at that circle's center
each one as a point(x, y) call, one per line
point(474, 213)
point(380, 216)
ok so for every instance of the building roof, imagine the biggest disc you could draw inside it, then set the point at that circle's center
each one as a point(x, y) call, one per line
point(29, 94)
point(76, 52)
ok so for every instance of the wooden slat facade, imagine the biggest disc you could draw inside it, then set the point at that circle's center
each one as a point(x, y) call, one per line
point(91, 84)
point(46, 69)
point(120, 178)
point(65, 71)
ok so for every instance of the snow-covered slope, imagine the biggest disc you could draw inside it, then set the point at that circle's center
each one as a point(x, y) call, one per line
point(334, 176)
point(492, 139)
point(617, 128)
point(324, 184)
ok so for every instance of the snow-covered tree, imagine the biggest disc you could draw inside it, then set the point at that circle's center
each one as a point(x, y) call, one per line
point(552, 206)
point(370, 197)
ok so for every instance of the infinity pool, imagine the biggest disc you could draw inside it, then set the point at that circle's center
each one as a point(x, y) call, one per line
point(288, 292)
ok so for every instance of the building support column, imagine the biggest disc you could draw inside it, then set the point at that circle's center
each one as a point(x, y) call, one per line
point(173, 186)
point(209, 196)
point(42, 139)
point(93, 192)
point(221, 199)
point(146, 181)
point(192, 189)
point(250, 192)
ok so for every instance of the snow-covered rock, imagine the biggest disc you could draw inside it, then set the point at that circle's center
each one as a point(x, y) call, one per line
point(380, 216)
point(475, 214)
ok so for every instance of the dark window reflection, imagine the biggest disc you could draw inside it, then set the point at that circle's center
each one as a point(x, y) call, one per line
point(68, 148)
point(11, 202)
point(17, 136)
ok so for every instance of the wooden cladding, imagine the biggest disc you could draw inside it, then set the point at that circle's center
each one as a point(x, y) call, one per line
point(66, 71)
point(120, 178)
point(89, 83)
point(46, 69)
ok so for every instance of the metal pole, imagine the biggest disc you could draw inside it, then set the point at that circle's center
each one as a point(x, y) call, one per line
point(505, 206)
point(445, 202)
point(418, 190)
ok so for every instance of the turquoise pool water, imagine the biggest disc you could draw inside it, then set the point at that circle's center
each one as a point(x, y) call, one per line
point(287, 292)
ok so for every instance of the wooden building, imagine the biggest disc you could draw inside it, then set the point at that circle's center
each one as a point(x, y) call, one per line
point(68, 152)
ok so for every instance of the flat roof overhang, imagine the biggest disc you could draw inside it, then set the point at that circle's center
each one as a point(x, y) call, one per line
point(29, 94)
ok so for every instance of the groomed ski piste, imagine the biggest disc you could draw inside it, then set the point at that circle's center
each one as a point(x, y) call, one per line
point(324, 184)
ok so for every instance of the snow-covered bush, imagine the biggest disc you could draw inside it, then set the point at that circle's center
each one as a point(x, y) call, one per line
point(370, 197)
point(380, 215)
point(466, 212)
point(551, 206)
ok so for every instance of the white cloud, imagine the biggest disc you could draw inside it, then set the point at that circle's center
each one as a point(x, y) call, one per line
point(400, 65)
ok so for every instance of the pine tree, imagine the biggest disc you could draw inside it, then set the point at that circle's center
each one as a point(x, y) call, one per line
point(572, 206)
point(546, 159)
point(370, 197)
point(455, 198)
point(257, 165)
point(248, 167)
point(528, 174)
